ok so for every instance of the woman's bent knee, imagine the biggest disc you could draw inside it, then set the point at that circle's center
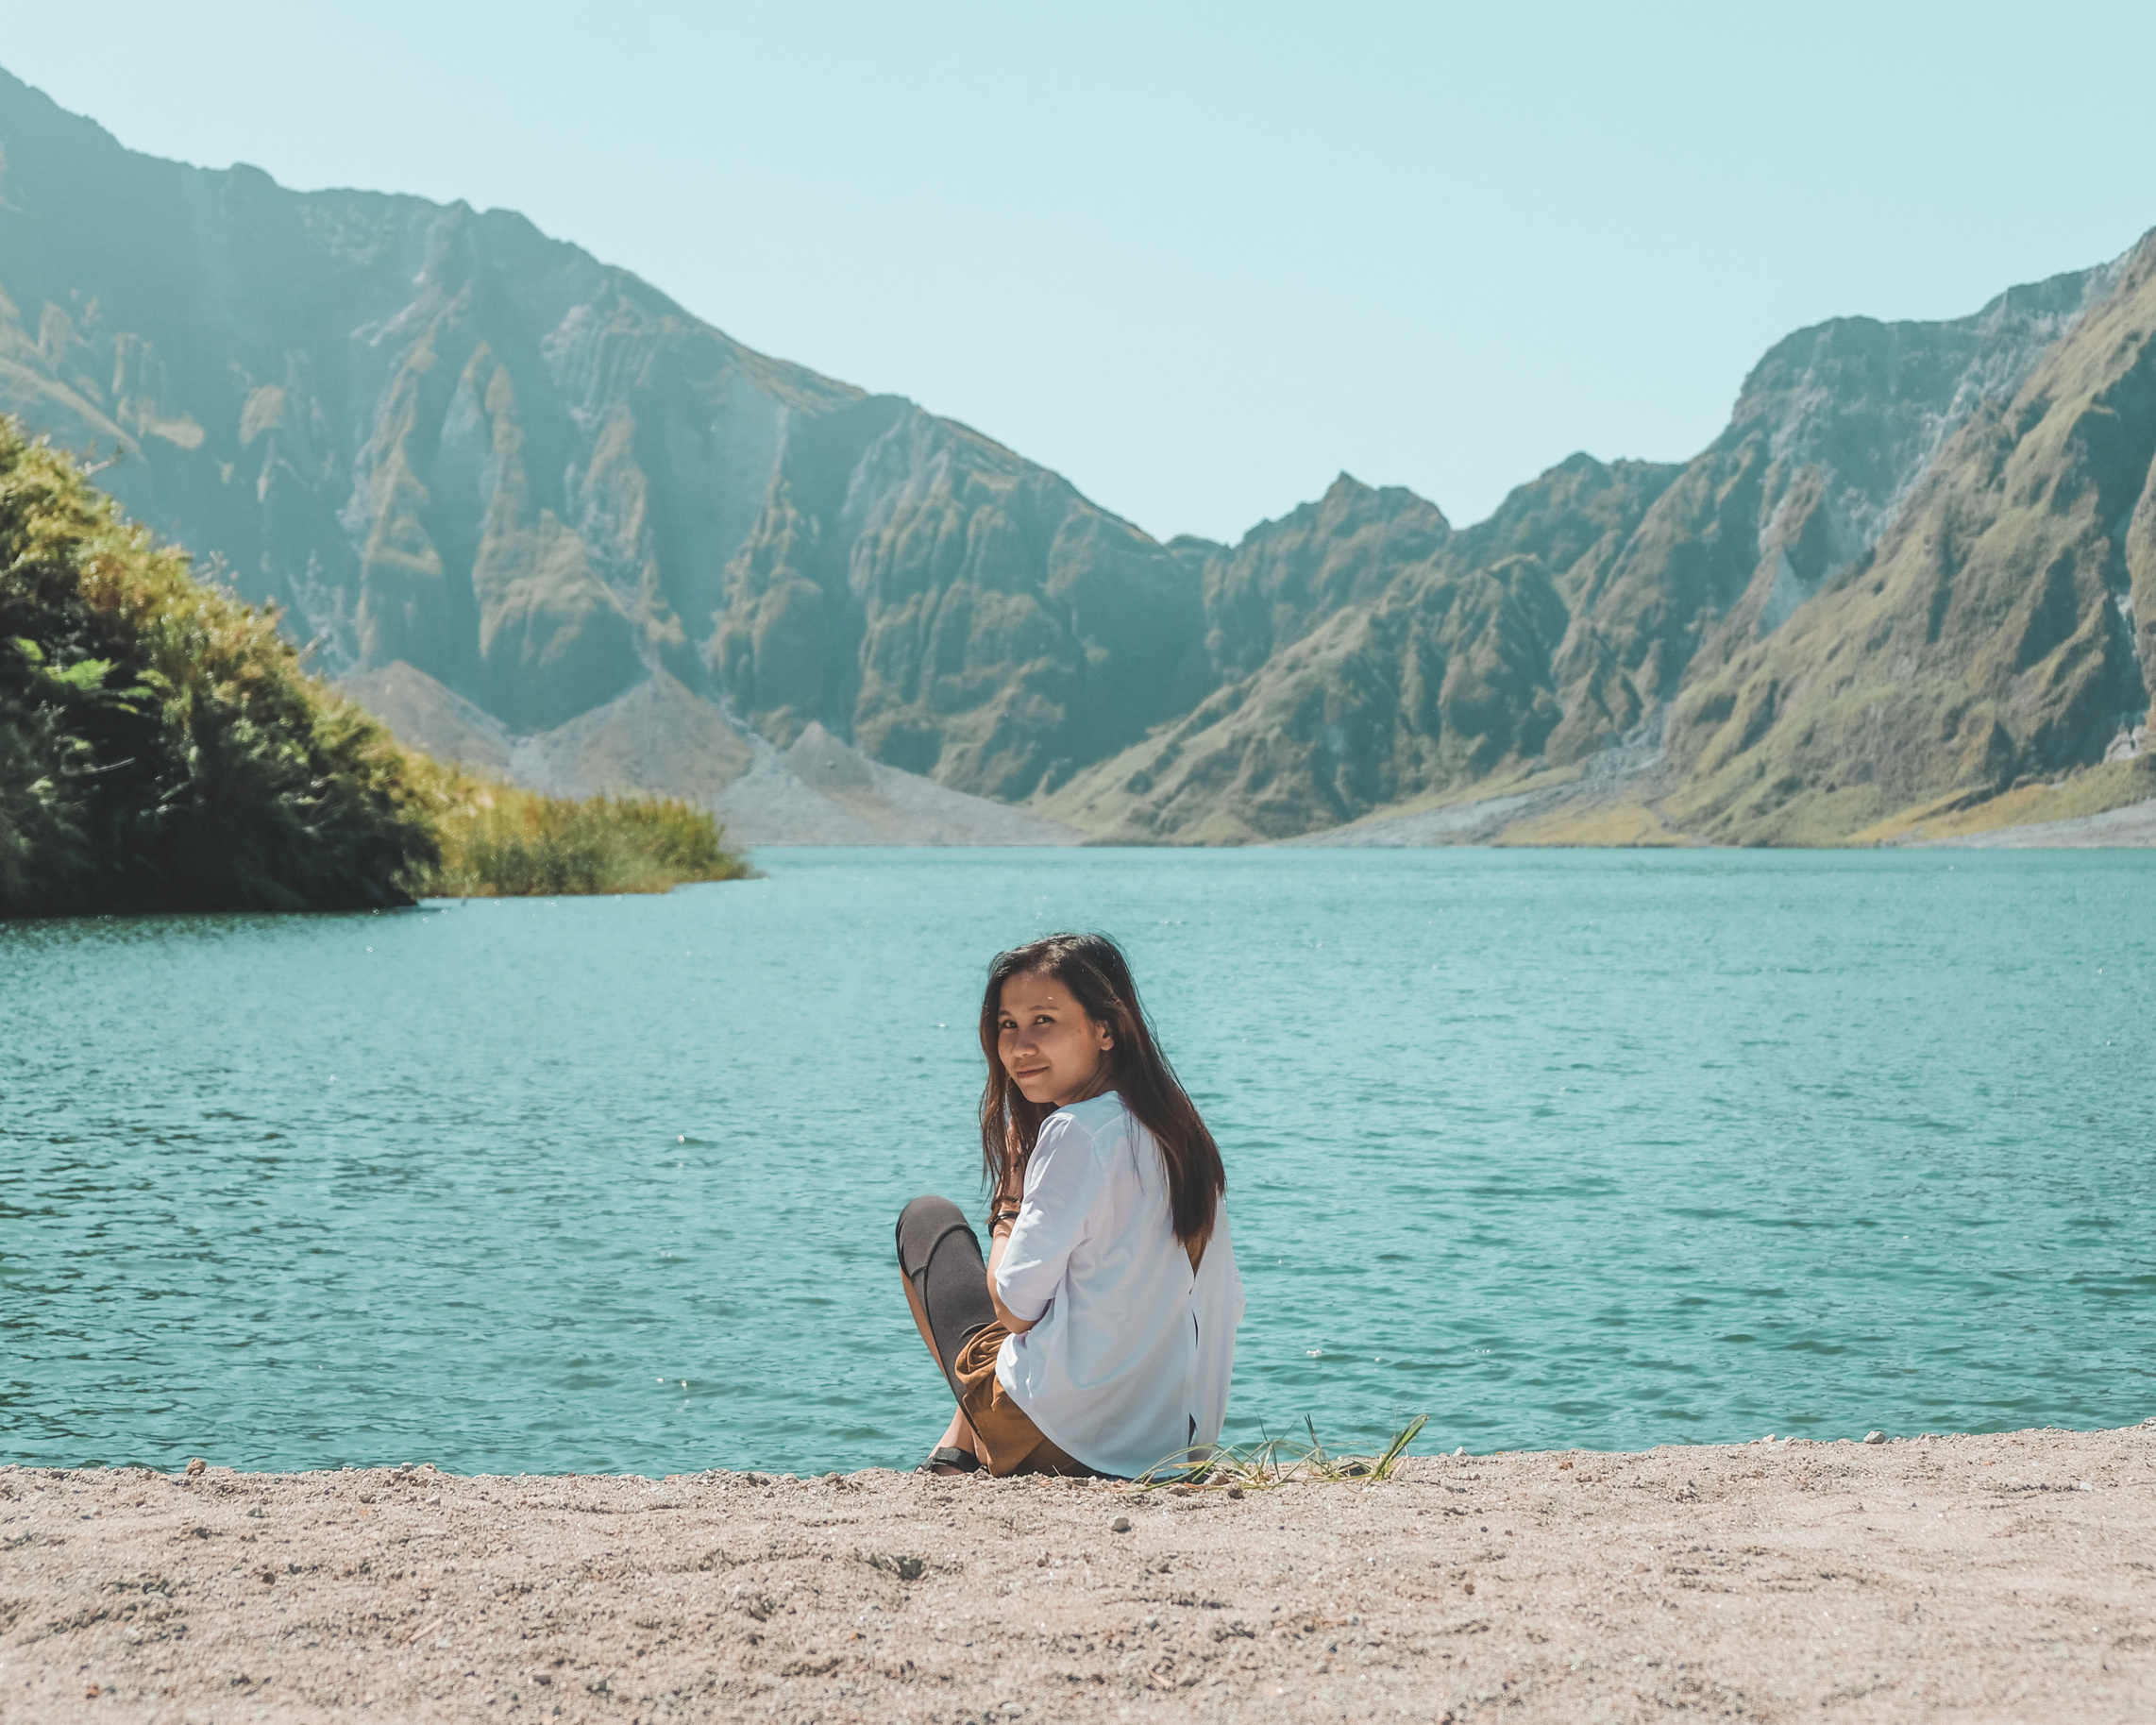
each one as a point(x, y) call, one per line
point(921, 1224)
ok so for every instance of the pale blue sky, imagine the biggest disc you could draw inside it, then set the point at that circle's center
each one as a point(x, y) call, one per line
point(1201, 258)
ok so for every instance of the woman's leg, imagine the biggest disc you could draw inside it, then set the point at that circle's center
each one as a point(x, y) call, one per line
point(947, 1288)
point(959, 1433)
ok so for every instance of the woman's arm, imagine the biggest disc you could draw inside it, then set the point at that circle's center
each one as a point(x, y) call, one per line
point(1002, 1217)
point(1029, 1253)
point(1000, 1237)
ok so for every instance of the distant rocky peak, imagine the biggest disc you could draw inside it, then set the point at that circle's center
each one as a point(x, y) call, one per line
point(1873, 403)
point(1285, 577)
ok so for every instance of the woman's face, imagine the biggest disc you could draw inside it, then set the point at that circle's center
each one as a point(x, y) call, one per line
point(1053, 1053)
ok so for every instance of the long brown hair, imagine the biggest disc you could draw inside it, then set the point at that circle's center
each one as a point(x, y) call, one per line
point(1093, 967)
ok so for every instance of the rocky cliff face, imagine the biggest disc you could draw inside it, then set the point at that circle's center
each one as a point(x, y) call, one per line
point(957, 610)
point(440, 438)
point(1365, 653)
point(1916, 564)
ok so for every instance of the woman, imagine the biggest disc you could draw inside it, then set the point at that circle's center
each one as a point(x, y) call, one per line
point(1100, 1335)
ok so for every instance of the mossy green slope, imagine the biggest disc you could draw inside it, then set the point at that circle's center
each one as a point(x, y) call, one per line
point(1987, 638)
point(1391, 656)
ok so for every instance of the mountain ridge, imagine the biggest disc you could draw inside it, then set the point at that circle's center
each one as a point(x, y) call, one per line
point(443, 440)
point(1833, 433)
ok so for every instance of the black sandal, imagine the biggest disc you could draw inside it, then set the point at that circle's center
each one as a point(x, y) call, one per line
point(949, 1461)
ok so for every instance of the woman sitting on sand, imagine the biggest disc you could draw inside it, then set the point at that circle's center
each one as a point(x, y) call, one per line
point(1100, 1335)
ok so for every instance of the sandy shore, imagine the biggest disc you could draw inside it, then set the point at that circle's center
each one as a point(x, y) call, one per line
point(2004, 1578)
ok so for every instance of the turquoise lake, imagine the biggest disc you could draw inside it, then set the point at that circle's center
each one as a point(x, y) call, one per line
point(1607, 1149)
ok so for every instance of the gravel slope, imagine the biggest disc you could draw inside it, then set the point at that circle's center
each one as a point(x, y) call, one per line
point(2008, 1577)
point(2134, 824)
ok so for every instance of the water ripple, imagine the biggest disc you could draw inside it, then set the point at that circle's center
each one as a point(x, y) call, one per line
point(1559, 1148)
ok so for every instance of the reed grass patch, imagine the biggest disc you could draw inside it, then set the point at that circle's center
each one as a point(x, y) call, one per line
point(499, 840)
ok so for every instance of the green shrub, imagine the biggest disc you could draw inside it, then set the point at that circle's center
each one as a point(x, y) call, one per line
point(161, 748)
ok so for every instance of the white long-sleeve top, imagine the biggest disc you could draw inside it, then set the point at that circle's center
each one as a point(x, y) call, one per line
point(1128, 1359)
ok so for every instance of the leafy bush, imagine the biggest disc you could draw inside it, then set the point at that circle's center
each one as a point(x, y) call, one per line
point(161, 748)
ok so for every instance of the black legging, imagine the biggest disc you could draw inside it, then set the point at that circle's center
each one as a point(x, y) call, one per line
point(941, 1258)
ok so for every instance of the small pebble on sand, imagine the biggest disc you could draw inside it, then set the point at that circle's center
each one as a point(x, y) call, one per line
point(1121, 1525)
point(1875, 1437)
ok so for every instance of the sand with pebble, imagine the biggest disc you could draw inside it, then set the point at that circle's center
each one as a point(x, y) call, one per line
point(2008, 1577)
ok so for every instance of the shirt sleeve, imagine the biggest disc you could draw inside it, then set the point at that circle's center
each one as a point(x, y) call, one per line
point(1063, 1180)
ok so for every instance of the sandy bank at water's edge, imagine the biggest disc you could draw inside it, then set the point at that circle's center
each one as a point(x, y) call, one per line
point(2008, 1577)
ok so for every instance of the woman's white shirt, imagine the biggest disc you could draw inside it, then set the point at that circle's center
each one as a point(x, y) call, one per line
point(1128, 1359)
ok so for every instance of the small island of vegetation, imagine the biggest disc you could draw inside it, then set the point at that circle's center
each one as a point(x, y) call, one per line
point(164, 748)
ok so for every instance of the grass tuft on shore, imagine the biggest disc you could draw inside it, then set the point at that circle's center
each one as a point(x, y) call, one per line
point(1277, 1462)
